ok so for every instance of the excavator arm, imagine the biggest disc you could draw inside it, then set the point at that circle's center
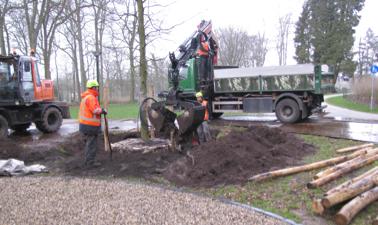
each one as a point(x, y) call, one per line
point(178, 115)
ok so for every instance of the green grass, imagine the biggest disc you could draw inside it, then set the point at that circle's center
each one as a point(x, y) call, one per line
point(288, 196)
point(115, 111)
point(345, 103)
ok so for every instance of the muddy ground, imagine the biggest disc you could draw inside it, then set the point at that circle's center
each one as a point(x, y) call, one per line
point(231, 159)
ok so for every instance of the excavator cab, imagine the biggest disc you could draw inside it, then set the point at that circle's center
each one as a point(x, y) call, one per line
point(21, 83)
point(25, 98)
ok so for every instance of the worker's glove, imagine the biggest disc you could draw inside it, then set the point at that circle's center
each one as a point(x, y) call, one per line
point(104, 111)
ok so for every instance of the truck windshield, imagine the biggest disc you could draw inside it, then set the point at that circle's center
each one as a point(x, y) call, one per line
point(6, 71)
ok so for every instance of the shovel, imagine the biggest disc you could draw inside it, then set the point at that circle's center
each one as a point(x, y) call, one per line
point(108, 147)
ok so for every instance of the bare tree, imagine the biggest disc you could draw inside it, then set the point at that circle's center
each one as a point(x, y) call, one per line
point(50, 22)
point(100, 14)
point(233, 46)
point(127, 21)
point(259, 48)
point(284, 24)
point(18, 31)
point(4, 9)
point(237, 48)
point(142, 49)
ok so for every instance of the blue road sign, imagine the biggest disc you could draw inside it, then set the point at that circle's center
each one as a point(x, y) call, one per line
point(374, 69)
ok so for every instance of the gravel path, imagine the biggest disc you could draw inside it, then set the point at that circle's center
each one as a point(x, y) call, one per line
point(51, 200)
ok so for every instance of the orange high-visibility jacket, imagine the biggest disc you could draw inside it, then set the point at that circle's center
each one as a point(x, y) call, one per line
point(90, 110)
point(203, 50)
point(204, 103)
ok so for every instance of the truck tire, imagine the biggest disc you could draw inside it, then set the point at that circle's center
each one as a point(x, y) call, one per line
point(3, 127)
point(287, 111)
point(21, 127)
point(51, 120)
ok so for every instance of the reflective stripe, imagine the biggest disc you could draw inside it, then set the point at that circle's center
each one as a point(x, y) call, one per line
point(90, 119)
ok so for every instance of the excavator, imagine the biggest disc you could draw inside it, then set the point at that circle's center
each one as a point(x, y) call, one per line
point(178, 115)
point(26, 98)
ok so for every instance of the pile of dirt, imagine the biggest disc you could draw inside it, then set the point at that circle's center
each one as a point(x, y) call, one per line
point(237, 156)
point(231, 159)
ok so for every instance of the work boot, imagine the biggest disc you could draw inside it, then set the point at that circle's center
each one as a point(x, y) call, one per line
point(92, 164)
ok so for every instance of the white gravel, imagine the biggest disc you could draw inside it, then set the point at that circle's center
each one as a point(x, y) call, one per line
point(54, 200)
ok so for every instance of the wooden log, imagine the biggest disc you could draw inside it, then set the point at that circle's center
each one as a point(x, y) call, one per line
point(353, 148)
point(351, 191)
point(307, 167)
point(349, 182)
point(336, 167)
point(350, 210)
point(138, 144)
point(317, 206)
point(323, 180)
point(369, 152)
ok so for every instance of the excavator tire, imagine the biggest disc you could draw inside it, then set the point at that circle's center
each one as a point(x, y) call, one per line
point(51, 120)
point(3, 127)
point(21, 127)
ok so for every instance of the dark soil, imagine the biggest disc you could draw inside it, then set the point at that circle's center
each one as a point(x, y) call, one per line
point(229, 160)
point(238, 156)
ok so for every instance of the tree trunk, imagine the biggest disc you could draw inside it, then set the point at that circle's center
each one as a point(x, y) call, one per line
point(311, 166)
point(338, 166)
point(2, 38)
point(46, 59)
point(321, 181)
point(142, 50)
point(349, 182)
point(346, 214)
point(76, 72)
point(81, 49)
point(132, 75)
point(351, 191)
point(353, 148)
point(142, 61)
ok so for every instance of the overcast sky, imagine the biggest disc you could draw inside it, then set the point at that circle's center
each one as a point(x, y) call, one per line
point(251, 15)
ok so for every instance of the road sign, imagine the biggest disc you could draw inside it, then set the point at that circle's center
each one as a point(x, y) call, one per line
point(374, 69)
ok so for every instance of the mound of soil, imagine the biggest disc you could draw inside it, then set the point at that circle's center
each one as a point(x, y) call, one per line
point(231, 159)
point(237, 156)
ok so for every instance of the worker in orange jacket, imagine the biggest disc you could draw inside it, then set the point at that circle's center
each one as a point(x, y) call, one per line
point(203, 130)
point(202, 53)
point(90, 121)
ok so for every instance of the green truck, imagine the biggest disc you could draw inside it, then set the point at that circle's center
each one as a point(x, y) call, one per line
point(293, 92)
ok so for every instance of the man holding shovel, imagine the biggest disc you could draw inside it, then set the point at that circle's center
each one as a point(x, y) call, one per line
point(90, 121)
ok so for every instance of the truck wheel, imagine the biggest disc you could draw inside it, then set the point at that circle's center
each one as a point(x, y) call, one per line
point(3, 127)
point(287, 111)
point(51, 121)
point(216, 115)
point(21, 127)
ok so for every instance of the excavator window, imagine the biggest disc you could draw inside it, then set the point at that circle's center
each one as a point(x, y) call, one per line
point(38, 67)
point(5, 71)
point(27, 75)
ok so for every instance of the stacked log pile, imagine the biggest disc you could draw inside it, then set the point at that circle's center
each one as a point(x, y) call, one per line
point(355, 193)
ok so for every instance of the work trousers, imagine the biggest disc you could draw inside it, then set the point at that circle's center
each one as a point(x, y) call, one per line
point(203, 132)
point(90, 148)
point(203, 68)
